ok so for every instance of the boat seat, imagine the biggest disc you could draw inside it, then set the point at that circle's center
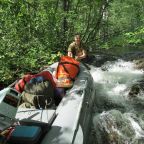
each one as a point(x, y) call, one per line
point(46, 116)
point(36, 117)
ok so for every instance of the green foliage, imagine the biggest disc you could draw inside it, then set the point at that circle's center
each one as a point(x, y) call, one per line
point(136, 37)
point(125, 24)
point(105, 46)
point(28, 37)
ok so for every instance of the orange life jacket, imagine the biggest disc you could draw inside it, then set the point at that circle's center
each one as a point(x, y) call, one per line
point(67, 70)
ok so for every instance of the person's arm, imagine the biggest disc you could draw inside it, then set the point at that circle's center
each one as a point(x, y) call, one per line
point(82, 56)
point(70, 54)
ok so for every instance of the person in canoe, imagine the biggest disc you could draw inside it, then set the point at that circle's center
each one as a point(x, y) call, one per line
point(77, 49)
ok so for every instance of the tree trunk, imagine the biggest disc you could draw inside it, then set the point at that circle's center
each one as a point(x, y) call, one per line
point(93, 32)
point(66, 5)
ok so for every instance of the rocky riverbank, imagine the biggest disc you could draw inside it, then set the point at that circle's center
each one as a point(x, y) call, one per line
point(136, 57)
point(139, 63)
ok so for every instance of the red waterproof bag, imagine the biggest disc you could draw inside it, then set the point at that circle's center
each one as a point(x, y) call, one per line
point(19, 86)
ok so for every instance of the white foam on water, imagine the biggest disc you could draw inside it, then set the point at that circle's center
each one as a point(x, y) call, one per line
point(138, 130)
point(117, 78)
point(114, 82)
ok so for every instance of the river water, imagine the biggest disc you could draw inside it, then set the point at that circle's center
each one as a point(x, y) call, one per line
point(117, 118)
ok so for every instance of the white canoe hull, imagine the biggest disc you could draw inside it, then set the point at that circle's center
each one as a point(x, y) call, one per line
point(74, 113)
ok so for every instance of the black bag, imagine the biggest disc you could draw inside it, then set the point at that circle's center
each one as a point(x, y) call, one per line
point(39, 94)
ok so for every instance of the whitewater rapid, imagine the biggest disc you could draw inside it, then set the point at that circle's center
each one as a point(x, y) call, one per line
point(117, 118)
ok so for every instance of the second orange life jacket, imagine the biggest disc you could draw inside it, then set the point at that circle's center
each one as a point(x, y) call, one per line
point(67, 69)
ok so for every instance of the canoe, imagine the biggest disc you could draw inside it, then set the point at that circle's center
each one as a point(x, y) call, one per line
point(69, 122)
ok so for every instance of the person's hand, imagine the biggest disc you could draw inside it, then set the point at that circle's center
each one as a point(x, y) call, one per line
point(76, 58)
